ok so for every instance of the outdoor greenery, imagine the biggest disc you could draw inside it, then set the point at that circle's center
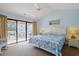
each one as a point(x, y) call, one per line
point(11, 26)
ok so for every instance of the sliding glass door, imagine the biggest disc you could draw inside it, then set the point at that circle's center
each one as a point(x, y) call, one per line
point(11, 37)
point(21, 29)
point(29, 30)
point(18, 31)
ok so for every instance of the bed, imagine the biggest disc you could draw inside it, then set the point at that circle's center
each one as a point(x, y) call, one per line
point(52, 43)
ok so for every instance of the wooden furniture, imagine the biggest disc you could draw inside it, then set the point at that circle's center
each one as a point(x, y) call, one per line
point(3, 31)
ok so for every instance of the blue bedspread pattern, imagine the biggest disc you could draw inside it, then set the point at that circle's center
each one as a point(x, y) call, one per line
point(53, 43)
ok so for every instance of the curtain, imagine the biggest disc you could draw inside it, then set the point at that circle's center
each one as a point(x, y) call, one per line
point(34, 25)
point(3, 26)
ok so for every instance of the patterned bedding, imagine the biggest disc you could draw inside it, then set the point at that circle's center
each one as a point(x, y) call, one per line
point(51, 43)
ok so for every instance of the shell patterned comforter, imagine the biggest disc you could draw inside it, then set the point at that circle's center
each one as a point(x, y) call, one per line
point(50, 43)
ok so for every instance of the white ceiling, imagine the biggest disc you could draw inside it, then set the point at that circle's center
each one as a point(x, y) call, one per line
point(28, 10)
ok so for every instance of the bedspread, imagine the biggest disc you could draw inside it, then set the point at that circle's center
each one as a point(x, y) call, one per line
point(51, 43)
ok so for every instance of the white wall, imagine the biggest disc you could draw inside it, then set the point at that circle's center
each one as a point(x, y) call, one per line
point(67, 18)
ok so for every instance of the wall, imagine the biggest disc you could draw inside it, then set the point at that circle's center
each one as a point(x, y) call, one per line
point(67, 18)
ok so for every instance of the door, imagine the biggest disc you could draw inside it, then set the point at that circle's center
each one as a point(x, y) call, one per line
point(29, 30)
point(21, 29)
point(11, 38)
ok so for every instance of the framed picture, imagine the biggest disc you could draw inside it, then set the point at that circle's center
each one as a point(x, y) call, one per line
point(54, 22)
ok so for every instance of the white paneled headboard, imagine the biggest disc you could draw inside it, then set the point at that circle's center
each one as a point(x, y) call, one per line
point(55, 30)
point(58, 30)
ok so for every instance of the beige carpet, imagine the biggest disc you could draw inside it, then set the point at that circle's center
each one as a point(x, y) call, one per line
point(26, 49)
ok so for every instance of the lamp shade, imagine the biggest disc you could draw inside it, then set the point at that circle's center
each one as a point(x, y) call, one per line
point(72, 33)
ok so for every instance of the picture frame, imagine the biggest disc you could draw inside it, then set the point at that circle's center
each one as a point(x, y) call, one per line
point(54, 22)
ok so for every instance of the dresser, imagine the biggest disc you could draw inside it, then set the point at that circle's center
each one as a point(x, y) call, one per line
point(74, 42)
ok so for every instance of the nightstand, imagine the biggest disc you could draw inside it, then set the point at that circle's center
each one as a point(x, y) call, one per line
point(74, 42)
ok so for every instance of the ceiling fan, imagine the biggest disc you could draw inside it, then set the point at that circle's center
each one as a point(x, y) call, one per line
point(39, 11)
point(37, 6)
